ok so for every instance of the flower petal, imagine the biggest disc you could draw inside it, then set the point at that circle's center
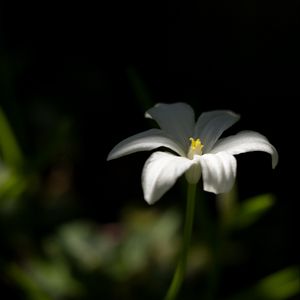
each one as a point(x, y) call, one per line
point(218, 172)
point(176, 119)
point(144, 141)
point(246, 141)
point(160, 173)
point(210, 125)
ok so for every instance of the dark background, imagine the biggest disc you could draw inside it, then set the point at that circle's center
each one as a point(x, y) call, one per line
point(76, 79)
point(85, 63)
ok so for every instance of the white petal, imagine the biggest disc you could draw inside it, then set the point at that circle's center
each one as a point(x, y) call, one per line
point(210, 125)
point(218, 172)
point(144, 141)
point(176, 119)
point(160, 173)
point(246, 141)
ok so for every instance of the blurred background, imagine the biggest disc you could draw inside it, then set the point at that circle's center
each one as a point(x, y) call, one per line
point(77, 79)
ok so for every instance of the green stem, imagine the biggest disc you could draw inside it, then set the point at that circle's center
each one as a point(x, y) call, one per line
point(188, 227)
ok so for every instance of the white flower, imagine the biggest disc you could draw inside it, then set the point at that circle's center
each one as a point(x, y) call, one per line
point(195, 149)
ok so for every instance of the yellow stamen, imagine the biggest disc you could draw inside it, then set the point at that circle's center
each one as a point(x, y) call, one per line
point(195, 148)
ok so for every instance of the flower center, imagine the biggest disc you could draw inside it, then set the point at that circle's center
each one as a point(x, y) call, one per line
point(195, 148)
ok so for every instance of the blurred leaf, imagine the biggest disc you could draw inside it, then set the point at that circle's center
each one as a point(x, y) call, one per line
point(251, 210)
point(150, 235)
point(27, 284)
point(281, 285)
point(12, 186)
point(90, 247)
point(11, 183)
point(122, 250)
point(10, 150)
point(54, 277)
point(42, 279)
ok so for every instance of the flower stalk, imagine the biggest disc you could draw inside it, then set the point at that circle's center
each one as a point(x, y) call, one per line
point(188, 228)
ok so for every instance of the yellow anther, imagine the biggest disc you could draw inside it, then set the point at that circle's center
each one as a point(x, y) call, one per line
point(195, 148)
point(195, 143)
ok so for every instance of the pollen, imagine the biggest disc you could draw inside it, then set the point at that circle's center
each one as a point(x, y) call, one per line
point(195, 148)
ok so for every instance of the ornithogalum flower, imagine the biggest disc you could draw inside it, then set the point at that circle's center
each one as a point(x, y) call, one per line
point(196, 148)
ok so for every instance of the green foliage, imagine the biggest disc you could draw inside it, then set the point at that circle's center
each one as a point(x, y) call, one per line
point(251, 210)
point(121, 250)
point(28, 285)
point(45, 279)
point(281, 285)
point(10, 150)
